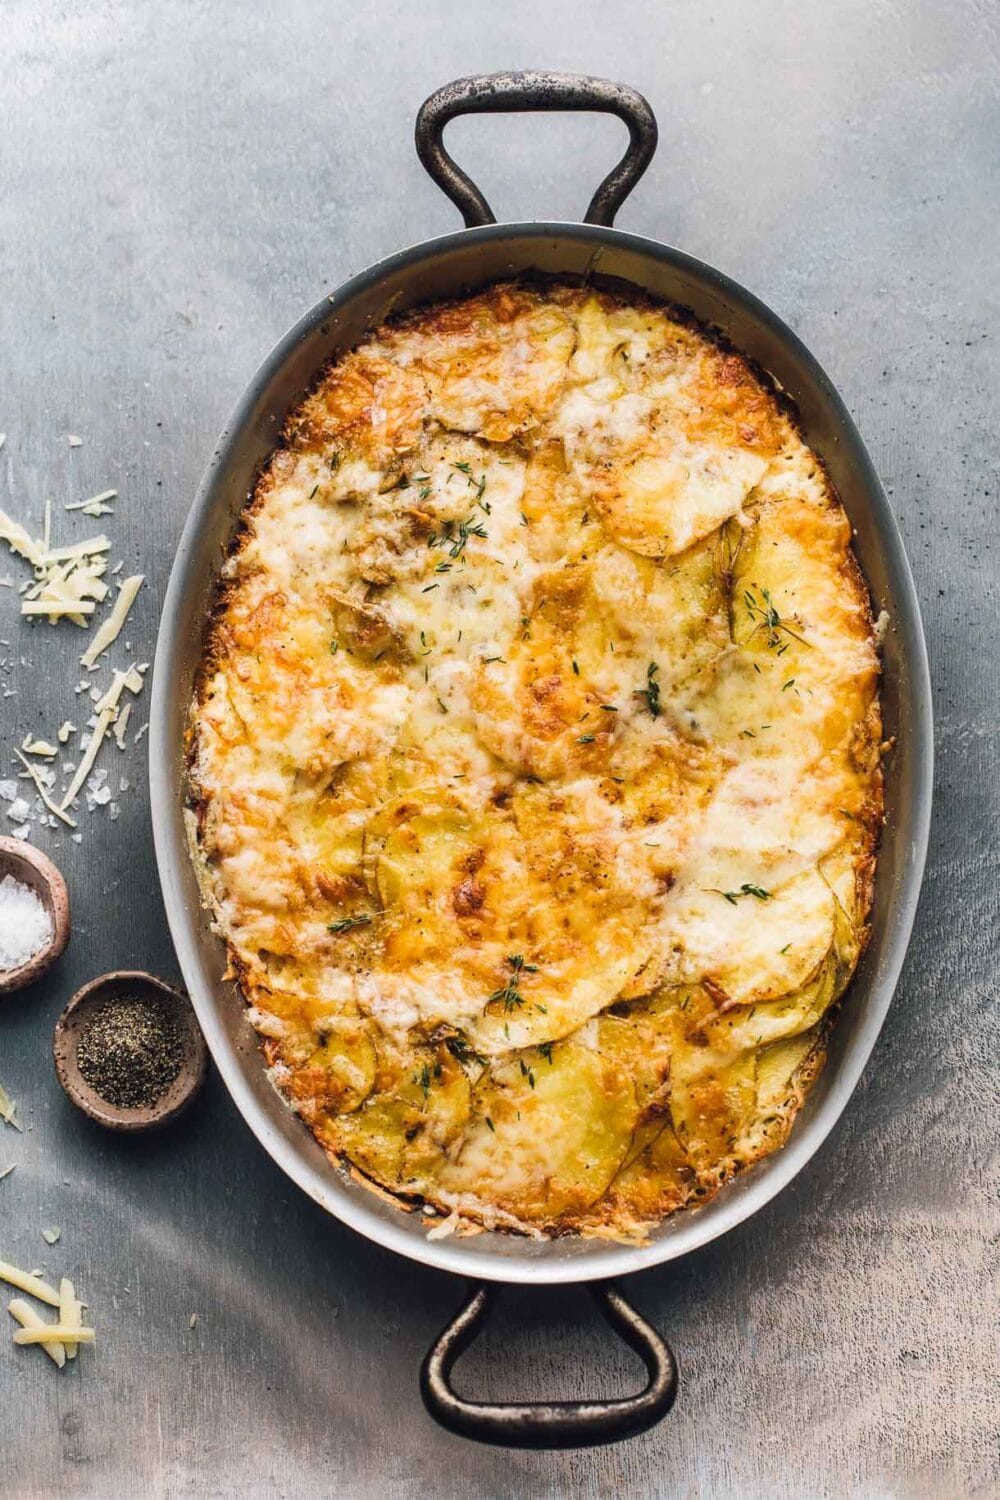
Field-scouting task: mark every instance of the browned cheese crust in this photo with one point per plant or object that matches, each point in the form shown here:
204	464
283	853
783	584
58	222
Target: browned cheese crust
536	761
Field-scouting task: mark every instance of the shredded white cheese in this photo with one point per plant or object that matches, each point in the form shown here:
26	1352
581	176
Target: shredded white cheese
89	548
8	1112
94	500
14	534
55	608
69	1313
25	1281
121	725
109	630
107	709
43	1333
30	1321
54	808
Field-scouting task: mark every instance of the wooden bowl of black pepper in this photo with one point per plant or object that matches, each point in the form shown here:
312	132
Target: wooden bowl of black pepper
129	1052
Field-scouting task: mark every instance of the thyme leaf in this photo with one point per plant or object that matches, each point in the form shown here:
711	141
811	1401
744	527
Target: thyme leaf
362	919
746	889
768	619
509	995
651	692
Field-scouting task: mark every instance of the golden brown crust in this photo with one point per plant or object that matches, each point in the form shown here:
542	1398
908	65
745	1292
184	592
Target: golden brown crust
536	760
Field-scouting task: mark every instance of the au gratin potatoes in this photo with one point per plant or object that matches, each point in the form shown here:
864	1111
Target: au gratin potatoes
535	761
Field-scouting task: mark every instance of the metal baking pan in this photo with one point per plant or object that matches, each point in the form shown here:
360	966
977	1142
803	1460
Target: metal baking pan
446	267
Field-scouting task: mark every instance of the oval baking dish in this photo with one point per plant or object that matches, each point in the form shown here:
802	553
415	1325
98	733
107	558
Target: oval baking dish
447	267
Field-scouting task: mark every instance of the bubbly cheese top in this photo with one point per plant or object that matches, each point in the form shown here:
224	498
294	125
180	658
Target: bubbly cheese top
535	760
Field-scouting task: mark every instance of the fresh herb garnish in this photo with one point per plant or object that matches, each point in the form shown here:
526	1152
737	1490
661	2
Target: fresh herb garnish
545	1048
509	996
746	889
334	647
455	541
479	485
490	1125
361	920
768	619
469	527
462	1051
651	692
585	739
526	1072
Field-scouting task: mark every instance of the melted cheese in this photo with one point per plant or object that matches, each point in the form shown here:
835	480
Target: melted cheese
535	760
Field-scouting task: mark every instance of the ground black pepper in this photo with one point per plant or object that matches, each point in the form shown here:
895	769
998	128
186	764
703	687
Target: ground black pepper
130	1051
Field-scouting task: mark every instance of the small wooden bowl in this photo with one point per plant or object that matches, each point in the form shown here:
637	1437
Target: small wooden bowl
36	870
129	984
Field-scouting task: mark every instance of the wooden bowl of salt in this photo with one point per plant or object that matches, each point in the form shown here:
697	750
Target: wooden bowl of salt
34	914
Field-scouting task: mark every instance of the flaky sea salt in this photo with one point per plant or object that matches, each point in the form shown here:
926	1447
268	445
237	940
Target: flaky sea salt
25	925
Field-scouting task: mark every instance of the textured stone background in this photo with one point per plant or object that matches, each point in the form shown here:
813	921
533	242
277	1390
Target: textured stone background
180	181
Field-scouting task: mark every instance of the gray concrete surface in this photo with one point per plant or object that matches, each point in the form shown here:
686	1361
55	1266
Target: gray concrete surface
180	181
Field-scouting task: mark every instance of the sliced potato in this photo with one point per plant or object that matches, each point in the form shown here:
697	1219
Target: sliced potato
340	1073
401	1134
657	1178
547	1136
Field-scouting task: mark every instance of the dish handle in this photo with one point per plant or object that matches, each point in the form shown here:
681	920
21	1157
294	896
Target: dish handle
550	1424
502	93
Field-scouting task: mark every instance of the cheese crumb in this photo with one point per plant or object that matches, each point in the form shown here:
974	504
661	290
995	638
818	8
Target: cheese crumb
8	1113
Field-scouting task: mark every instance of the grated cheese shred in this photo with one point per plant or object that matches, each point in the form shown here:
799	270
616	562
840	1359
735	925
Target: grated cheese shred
26	1282
109	631
31	1323
61	1338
